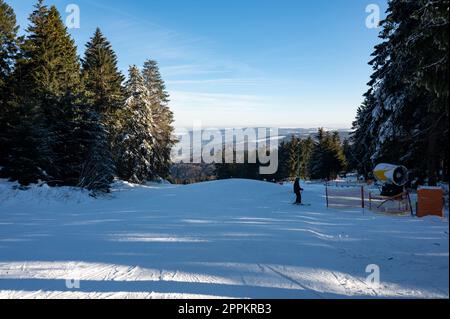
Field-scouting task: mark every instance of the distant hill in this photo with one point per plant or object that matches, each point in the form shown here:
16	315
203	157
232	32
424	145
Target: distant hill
191	173
283	134
306	132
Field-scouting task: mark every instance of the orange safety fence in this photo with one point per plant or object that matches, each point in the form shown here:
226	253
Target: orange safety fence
430	201
345	196
400	204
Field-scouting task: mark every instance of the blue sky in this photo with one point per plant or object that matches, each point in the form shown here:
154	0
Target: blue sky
285	63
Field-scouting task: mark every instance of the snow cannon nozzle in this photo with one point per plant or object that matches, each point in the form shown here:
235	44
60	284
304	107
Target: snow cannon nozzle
391	174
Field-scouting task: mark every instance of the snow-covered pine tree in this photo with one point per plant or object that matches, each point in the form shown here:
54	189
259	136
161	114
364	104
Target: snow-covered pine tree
80	149
362	139
133	148
408	113
162	129
431	75
97	168
105	97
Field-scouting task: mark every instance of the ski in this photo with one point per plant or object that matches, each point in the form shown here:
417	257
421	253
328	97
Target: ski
301	204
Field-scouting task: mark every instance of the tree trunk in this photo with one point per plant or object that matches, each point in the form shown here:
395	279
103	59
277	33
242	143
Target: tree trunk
432	160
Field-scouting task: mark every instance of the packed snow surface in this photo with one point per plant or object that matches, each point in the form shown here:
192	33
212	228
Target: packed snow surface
231	239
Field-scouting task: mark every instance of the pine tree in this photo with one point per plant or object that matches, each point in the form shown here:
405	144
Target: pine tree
48	63
53	62
336	156
102	79
8	42
97	168
105	97
327	158
284	152
294	156
284	160
134	144
162	130
316	163
8	51
29	157
362	137
58	137
347	150
407	105
307	147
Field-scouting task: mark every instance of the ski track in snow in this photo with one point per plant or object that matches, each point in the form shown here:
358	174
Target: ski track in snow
226	239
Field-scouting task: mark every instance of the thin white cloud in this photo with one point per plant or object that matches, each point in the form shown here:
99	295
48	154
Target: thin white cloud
223	81
214	102
155	40
191	69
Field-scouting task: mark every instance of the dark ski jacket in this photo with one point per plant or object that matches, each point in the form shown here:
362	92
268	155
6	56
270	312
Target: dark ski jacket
297	188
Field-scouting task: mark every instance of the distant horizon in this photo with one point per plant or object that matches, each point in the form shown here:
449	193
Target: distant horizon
266	126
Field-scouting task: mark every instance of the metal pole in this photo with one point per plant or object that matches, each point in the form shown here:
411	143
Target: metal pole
299	158
410	204
362	197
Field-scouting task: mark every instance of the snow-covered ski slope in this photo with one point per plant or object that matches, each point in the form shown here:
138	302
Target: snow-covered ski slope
232	239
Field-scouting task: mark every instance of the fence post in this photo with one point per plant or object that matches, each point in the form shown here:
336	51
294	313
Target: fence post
410	204
362	197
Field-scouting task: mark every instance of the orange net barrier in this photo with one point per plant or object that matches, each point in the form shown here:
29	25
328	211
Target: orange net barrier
430	201
345	196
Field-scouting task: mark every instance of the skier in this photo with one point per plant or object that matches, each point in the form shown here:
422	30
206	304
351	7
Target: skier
298	192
